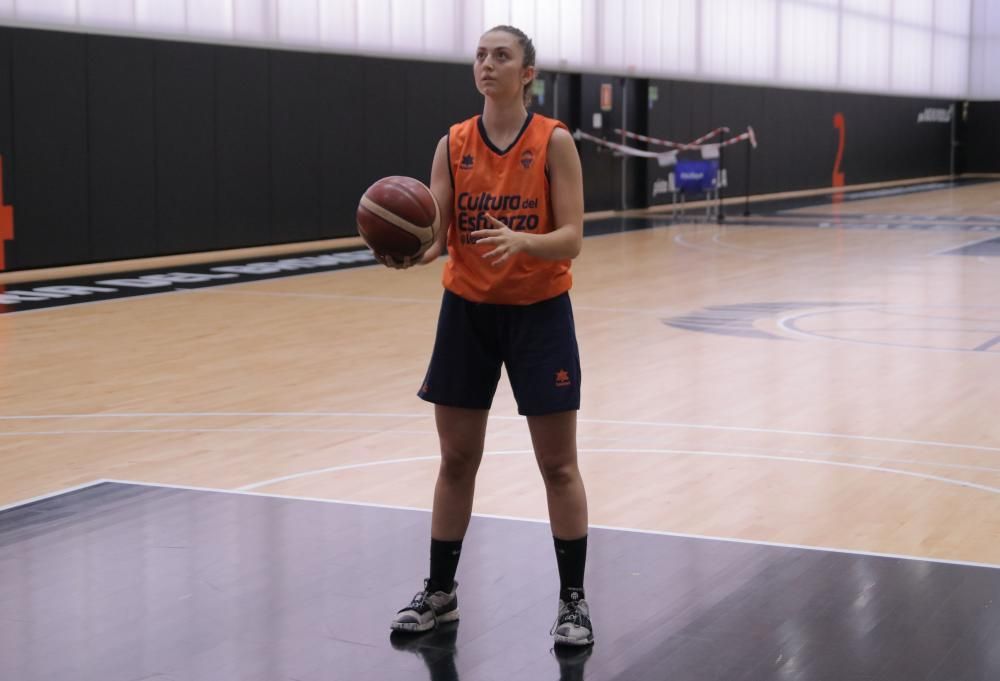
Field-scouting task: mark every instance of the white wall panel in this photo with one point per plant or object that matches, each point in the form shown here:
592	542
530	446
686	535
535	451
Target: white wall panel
864	53
441	28
338	23
407	25
495	13
738	39
7	8
374	25
60	11
611	35
680	36
107	13
522	15
916	12
874	8
986	17
473	25
210	17
572	29
953	16
911	59
298	22
547	35
633	36
263	19
950	76
653	37
168	16
809	48
984	82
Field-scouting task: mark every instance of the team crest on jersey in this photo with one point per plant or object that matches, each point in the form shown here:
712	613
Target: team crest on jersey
466	162
527	158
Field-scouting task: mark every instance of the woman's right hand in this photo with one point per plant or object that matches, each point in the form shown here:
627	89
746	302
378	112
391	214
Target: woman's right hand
429	256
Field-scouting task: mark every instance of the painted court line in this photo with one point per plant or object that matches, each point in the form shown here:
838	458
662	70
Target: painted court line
632	450
732	540
342	414
613	528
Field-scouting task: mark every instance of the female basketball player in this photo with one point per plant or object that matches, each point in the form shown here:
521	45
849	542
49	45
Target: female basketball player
510	188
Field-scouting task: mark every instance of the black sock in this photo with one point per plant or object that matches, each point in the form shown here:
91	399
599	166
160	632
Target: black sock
444	564
571	557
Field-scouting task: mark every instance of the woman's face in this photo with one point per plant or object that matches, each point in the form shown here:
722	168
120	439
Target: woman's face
498	66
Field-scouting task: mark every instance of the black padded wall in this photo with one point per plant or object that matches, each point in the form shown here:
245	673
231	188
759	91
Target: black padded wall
50	160
884	138
121	147
243	146
186	149
981	137
6	134
295	152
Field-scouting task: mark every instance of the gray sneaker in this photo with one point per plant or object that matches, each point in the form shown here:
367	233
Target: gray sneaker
427	610
572	626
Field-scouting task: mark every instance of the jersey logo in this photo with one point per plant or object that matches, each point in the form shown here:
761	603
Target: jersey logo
467	161
527	158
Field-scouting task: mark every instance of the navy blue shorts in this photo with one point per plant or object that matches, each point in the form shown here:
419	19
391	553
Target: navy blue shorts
537	344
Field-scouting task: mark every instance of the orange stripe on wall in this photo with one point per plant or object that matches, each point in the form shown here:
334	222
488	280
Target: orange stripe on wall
6	220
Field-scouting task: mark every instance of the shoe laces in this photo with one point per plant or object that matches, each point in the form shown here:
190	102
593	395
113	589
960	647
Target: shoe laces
419	602
568	614
571	613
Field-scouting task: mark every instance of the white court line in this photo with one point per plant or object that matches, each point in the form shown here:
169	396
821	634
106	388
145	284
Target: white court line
125	431
632	450
656	424
742	249
731	540
785	322
585	438
613	528
332	296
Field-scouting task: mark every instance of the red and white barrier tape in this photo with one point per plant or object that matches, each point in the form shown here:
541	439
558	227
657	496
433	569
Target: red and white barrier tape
628	151
696	144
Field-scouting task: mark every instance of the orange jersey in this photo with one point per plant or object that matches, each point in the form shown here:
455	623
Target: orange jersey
513	186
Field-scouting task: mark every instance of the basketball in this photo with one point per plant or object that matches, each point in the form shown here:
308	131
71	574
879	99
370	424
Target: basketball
398	217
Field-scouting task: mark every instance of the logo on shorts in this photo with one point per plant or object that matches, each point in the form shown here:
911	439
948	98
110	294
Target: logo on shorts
467	161
562	379
526	159
424	389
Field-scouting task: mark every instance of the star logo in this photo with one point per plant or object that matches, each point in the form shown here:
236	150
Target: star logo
467	161
562	379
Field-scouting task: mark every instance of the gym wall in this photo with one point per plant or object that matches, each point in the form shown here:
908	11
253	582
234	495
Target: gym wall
980	147
120	147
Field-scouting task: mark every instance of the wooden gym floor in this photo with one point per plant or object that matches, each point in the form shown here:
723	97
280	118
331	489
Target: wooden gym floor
818	384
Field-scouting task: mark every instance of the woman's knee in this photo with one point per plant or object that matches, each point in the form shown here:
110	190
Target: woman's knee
459	465
559	473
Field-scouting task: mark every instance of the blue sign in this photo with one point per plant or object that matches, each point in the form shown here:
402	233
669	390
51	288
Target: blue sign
696	176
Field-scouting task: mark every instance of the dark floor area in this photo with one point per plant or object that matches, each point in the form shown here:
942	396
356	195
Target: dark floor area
122	582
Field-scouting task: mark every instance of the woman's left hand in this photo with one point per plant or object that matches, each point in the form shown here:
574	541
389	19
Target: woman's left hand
506	242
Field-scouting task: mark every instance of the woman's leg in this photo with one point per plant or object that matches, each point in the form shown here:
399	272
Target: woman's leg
462	433
554	440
